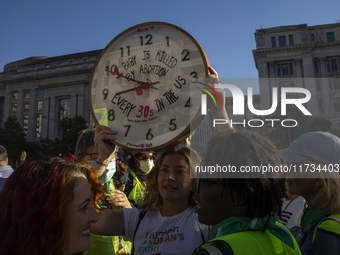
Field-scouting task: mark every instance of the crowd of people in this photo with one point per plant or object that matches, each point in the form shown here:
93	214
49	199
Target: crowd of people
105	202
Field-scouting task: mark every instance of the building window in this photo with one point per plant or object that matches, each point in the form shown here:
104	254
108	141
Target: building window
39	105
15	95
291	41
38	126
284	69
25	126
282	41
85	61
312	37
59	65
333	65
47	66
64	108
40	93
72	63
35	68
14	108
273	42
28	94
316	67
27	106
330	37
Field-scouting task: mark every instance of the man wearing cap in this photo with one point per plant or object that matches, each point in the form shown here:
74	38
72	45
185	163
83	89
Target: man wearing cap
5	169
315	161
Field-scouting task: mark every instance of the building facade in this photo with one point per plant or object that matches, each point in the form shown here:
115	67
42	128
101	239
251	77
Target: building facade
40	91
301	56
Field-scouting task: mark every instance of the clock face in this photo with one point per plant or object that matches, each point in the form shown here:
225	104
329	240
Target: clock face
144	86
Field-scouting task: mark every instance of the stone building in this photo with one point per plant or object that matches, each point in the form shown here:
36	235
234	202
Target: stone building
39	91
301	56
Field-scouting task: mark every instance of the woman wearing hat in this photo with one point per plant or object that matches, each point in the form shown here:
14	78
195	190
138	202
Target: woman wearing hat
315	160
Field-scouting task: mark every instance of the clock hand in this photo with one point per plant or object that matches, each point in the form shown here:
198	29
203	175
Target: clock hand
138	87
119	75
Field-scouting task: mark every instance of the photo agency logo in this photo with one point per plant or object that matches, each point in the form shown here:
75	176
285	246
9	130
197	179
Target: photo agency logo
239	105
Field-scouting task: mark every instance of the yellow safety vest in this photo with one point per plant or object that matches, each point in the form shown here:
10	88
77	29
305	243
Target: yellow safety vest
331	224
109	245
255	243
138	189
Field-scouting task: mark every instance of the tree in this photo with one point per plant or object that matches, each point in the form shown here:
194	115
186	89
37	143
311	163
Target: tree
12	137
71	128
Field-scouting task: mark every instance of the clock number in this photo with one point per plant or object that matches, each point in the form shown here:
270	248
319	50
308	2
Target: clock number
147	112
105	93
111	116
173	124
186	52
148	37
122	51
194	75
167	41
149	136
188	104
127	131
141	111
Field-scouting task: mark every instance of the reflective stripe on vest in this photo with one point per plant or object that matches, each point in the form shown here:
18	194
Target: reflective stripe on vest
255	243
138	189
331	224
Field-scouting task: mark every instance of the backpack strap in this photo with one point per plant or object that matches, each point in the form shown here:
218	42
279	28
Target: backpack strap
140	218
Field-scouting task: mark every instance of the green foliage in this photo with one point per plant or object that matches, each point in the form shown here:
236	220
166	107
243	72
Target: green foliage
71	128
12	137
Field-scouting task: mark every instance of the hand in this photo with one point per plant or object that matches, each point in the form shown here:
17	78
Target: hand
212	77
118	199
103	137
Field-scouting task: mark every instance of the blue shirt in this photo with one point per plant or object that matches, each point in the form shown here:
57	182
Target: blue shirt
5	172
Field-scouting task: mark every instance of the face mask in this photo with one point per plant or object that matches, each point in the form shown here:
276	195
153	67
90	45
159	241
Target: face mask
146	165
109	172
112	167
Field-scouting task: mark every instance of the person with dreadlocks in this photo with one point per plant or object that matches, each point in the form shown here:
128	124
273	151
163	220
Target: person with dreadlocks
243	211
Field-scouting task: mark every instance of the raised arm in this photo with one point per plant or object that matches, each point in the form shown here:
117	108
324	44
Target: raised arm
216	111
106	149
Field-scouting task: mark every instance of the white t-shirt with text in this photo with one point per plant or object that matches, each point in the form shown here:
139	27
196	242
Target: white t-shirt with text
158	235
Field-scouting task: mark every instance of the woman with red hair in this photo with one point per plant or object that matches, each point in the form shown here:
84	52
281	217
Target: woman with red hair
47	207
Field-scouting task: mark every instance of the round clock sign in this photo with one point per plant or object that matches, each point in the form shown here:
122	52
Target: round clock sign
143	86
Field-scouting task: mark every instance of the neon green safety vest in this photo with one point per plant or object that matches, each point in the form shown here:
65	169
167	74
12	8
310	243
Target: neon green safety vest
253	242
138	189
331	224
108	245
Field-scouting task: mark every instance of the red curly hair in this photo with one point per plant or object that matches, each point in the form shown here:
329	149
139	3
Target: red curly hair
34	205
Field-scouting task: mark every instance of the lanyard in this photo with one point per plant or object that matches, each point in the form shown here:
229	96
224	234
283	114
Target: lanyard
290	202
